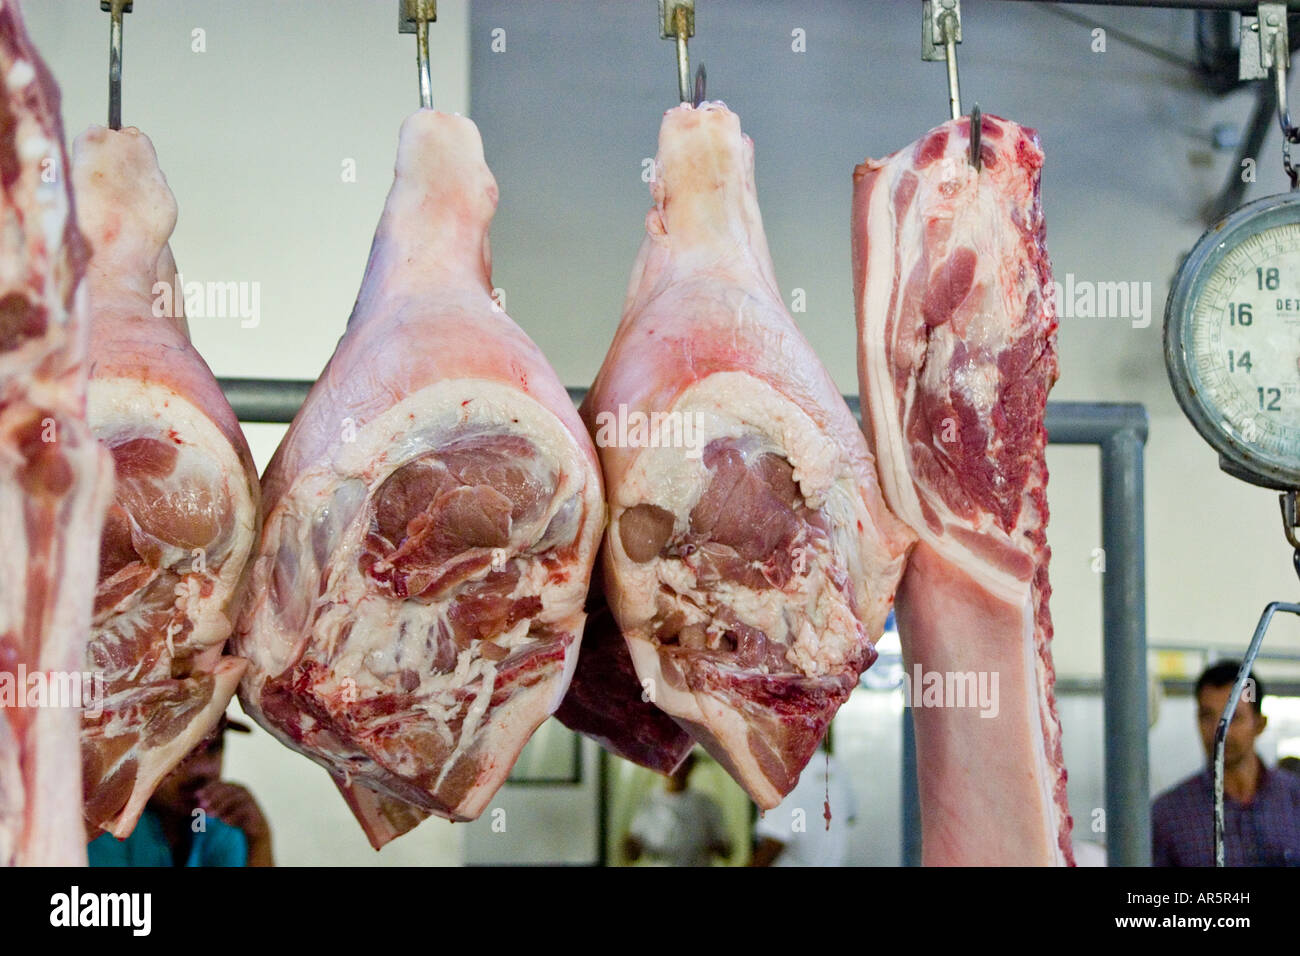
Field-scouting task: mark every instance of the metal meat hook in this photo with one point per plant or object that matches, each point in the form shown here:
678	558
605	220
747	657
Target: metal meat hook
940	34
677	23
116	9
414	16
1265	45
1290	134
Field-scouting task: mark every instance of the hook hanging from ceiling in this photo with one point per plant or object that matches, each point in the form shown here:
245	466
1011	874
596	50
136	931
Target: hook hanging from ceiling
414	16
677	23
116	9
940	34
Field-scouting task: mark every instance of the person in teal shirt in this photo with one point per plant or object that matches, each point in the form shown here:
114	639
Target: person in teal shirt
194	818
218	844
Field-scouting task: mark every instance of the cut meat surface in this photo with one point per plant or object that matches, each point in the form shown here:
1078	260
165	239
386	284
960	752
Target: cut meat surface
415	608
750	561
55	480
957	352
184	515
607	702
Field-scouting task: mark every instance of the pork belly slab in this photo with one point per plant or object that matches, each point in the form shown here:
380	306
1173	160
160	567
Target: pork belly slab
957	333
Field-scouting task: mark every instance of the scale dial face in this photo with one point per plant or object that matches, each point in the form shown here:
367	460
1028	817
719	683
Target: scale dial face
1232	340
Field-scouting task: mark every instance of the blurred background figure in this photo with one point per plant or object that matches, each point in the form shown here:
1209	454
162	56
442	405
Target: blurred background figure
194	818
1261	807
677	826
797	832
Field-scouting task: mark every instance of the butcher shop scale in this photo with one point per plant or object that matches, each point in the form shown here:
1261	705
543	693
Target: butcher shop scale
1231	345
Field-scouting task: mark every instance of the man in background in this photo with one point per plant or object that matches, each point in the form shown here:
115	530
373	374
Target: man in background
194	818
1261	807
677	826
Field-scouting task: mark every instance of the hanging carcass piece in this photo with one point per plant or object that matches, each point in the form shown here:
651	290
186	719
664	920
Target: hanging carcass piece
608	703
957	328
750	559
184	514
431	520
55	480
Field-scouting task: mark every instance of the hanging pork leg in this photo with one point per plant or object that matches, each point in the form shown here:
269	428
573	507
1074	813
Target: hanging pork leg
431	520
183	519
750	560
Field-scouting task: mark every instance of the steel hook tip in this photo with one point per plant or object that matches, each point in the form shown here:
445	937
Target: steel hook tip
701	78
976	132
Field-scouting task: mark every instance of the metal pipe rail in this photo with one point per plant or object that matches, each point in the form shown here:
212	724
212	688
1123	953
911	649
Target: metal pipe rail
1120	431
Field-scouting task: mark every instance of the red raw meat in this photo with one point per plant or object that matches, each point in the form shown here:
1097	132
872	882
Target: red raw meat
750	559
55	480
184	516
609	704
416	604
957	333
